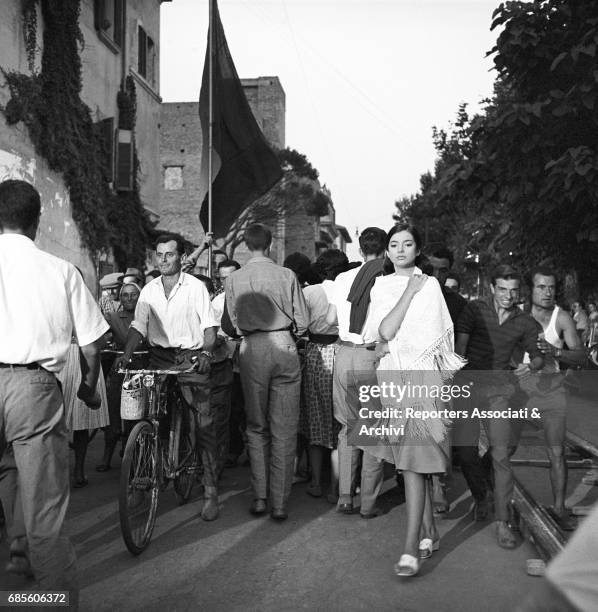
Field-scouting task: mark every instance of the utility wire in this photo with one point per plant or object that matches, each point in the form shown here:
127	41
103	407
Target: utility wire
314	108
381	117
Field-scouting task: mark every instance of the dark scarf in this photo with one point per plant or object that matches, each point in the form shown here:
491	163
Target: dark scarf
359	294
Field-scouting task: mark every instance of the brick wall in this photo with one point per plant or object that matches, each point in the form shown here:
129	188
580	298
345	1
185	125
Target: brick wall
180	147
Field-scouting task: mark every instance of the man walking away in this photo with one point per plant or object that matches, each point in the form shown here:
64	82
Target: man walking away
355	364
266	306
43	303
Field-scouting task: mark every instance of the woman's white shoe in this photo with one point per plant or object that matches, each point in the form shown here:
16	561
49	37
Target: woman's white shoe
407	565
427	546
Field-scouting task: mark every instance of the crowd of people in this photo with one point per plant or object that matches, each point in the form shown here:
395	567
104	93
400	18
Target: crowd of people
281	356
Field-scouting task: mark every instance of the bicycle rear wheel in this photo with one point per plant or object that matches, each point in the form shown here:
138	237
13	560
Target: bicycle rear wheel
138	495
184	430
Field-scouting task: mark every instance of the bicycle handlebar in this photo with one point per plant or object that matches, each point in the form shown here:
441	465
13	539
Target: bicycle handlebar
158	372
118	352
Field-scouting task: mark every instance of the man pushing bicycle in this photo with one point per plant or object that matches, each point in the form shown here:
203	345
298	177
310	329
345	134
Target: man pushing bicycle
175	316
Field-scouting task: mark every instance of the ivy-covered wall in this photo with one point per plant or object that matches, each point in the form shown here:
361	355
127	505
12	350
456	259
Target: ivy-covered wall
47	132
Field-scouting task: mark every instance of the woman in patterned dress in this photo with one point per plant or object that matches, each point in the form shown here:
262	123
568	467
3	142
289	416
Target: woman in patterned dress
317	422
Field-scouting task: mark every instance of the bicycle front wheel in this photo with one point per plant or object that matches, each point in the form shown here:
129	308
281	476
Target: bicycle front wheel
138	495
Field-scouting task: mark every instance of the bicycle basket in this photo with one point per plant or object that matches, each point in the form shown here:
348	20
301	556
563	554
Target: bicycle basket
132	398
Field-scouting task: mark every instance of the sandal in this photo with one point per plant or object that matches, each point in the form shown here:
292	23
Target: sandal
407	566
427	546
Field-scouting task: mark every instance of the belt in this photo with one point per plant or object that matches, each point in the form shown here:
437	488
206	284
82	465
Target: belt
265	331
172	350
368	346
323	338
21	366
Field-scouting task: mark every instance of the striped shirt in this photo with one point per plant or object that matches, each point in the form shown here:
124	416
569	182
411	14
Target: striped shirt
491	345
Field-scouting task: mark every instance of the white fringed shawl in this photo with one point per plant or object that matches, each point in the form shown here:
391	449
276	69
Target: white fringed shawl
421	353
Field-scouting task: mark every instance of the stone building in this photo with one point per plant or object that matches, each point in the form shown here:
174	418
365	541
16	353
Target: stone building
180	152
121	38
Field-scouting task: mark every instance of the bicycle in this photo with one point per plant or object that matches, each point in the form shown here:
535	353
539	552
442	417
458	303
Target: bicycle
149	463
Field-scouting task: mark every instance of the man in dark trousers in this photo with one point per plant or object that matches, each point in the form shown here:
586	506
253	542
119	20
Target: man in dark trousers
488	332
265	305
441	261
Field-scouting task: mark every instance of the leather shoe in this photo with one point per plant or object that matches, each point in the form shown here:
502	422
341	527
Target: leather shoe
279	514
19	565
258	507
373	513
481	509
19	558
210	509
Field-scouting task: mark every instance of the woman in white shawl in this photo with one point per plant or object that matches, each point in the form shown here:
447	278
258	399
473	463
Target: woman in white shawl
417	348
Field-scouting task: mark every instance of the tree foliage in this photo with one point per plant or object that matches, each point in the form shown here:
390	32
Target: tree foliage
298	191
522	176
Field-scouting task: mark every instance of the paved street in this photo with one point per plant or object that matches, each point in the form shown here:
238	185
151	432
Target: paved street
316	560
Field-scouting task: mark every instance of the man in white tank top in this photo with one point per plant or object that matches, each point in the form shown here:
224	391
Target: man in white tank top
549	395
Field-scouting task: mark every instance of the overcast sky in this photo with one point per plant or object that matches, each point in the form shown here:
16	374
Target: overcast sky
365	81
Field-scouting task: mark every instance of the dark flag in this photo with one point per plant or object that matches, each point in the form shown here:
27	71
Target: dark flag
244	166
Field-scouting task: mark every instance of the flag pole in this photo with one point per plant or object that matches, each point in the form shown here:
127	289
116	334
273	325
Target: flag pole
210	131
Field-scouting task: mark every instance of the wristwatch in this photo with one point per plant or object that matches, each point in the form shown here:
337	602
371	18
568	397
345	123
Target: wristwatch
207	354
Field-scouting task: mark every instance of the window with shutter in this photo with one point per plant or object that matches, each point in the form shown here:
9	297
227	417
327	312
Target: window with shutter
151	59
142	52
125	161
108	18
118	21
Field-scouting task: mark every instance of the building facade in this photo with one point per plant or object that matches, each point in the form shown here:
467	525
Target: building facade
181	189
121	39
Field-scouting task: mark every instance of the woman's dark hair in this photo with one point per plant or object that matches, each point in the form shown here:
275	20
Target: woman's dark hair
417	238
314	275
331	263
299	264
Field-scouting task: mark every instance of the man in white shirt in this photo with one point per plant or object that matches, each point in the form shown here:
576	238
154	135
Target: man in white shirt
174	314
355	356
43	303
